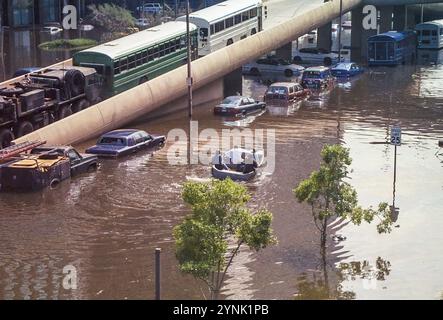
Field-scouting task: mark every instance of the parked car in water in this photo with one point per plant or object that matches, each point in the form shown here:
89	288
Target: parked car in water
238	105
142	23
52	30
317	78
273	65
346	70
80	163
284	92
23	71
151	8
315	55
123	142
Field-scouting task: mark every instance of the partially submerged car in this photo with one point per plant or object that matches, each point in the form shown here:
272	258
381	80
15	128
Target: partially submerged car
80	163
315	55
285	91
346	70
317	78
123	142
273	65
238	105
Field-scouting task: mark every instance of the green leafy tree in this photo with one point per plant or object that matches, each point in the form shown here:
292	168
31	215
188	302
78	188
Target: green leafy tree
111	17
329	195
220	223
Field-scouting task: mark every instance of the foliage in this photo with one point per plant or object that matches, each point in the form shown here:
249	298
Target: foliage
111	17
330	196
208	239
68	44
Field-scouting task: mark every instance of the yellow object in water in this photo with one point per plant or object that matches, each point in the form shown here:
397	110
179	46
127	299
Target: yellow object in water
35	162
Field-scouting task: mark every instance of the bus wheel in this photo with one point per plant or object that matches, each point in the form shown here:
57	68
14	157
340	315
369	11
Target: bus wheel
6	137
65	112
80	105
253	31
230	41
143	80
24	128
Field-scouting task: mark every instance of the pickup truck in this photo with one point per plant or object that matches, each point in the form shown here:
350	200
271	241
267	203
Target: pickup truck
80	163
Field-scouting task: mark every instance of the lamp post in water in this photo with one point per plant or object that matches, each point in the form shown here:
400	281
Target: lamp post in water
339	31
189	78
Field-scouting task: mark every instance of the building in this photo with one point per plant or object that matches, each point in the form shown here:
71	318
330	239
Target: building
26	13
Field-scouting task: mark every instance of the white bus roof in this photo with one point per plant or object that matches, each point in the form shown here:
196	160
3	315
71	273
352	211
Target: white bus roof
139	40
438	23
222	9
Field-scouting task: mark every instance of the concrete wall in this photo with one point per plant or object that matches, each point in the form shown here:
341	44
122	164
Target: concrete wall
134	103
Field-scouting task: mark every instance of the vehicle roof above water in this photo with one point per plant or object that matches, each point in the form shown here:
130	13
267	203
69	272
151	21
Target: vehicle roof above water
122	133
391	35
317	69
344	65
218	11
434	23
284	84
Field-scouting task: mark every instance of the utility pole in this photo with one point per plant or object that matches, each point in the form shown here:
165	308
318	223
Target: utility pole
339	31
189	78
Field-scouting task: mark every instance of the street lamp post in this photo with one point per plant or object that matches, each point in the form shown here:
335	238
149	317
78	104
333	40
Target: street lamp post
189	78
339	31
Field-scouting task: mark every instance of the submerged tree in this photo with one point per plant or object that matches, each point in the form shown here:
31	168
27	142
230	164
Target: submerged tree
330	196
220	223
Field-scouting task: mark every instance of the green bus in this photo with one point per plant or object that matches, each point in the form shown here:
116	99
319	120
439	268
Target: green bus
129	61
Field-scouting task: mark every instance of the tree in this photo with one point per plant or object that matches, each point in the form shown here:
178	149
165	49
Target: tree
330	196
111	17
220	223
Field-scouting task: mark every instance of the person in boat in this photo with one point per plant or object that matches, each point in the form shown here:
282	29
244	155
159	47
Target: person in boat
248	162
219	161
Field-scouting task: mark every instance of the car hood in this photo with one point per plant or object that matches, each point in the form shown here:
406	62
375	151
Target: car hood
105	149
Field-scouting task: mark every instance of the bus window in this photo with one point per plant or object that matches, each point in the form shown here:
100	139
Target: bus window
238	19
253	12
139	61
116	67
219	26
229	22
145	56
426	33
434	33
123	65
212	29
131	62
151	55
245	16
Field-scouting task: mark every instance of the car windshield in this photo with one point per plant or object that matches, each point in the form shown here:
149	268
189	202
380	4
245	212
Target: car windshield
311	74
277	90
283	62
113	141
231	100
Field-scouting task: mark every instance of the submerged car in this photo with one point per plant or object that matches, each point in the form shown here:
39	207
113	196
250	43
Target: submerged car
315	55
123	142
238	105
80	163
346	70
273	65
285	91
317	78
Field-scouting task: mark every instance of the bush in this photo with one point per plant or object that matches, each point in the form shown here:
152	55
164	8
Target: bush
68	44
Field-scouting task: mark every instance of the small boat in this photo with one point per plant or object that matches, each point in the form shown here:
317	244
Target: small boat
222	173
238	164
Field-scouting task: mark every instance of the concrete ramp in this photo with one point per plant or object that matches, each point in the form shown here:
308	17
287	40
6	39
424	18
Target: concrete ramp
122	109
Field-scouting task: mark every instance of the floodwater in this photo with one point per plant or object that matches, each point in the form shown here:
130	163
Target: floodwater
108	224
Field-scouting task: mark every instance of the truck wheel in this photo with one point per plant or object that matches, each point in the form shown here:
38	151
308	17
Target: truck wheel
80	105
24	128
75	80
64	112
6	137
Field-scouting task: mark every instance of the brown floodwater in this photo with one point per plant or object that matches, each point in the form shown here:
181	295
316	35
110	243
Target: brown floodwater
107	224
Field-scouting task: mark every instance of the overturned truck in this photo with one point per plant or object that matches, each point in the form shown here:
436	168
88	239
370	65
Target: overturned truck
45	97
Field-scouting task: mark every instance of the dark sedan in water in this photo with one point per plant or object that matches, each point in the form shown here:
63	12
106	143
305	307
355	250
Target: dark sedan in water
123	142
238	105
